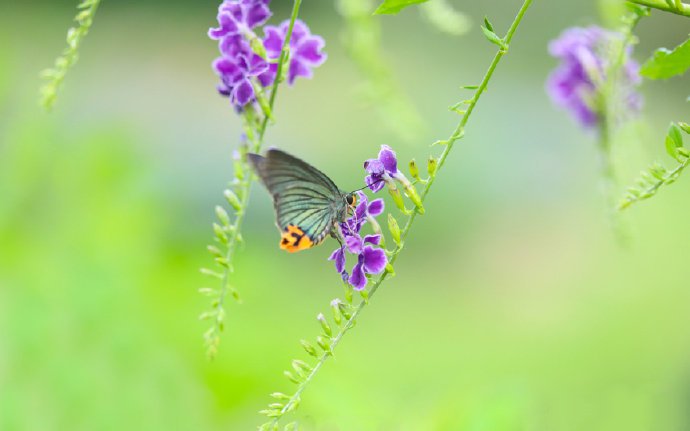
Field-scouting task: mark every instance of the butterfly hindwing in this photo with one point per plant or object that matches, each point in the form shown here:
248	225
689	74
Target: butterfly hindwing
306	201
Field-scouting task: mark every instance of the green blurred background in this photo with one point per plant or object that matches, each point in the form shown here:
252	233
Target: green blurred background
512	309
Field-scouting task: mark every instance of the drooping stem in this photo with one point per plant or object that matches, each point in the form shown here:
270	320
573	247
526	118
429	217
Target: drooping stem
75	35
677	7
455	136
610	97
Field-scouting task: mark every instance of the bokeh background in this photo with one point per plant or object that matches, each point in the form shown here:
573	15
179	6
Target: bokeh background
513	307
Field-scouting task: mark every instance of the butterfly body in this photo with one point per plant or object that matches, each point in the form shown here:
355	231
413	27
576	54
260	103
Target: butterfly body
307	203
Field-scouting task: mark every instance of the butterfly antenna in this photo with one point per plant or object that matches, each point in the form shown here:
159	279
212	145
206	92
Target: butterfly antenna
368	185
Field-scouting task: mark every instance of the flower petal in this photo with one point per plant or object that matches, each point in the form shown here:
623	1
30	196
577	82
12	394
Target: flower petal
273	41
243	93
256	15
374	166
374	259
376	207
257	65
309	51
354	243
299	31
339	257
374	182
373	239
387	157
298	68
358	280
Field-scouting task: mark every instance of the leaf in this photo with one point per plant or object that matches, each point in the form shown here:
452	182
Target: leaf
487	24
664	63
493	38
674	140
391	7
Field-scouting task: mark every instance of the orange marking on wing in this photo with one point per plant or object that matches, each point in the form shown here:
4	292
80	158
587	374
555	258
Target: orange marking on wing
294	239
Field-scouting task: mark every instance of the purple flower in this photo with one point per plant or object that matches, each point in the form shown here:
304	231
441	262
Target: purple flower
239	16
381	169
305	51
235	75
370	258
364	211
576	84
370	261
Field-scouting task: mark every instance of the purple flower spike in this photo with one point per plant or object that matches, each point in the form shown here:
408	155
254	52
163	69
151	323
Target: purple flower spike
576	83
305	51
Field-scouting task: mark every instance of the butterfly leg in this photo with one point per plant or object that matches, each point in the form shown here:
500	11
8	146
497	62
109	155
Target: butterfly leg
335	233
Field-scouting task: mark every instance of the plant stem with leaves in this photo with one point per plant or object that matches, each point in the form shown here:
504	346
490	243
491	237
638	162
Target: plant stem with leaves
228	230
56	75
344	314
674	6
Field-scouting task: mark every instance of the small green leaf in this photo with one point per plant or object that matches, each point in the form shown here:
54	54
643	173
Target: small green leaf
674	140
469	87
391	7
493	38
685	127
665	63
487	24
674	133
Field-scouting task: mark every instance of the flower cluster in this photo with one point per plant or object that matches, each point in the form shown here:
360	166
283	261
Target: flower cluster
384	170
578	82
370	258
248	63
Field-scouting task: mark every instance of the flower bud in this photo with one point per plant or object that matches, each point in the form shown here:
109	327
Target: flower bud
397	198
237	167
337	316
411	193
222	215
290	377
394	228
257	46
323	344
414	170
683	152
232	199
220	233
279	396
432	166
324	324
685	127
301	366
215	251
309	348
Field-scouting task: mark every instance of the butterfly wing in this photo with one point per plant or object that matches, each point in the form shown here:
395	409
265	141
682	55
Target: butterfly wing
306	201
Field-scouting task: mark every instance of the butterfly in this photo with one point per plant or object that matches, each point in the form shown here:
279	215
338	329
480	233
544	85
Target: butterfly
307	203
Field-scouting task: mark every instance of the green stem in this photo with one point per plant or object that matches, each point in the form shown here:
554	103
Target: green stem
243	190
281	61
682	9
456	135
75	35
651	190
610	101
